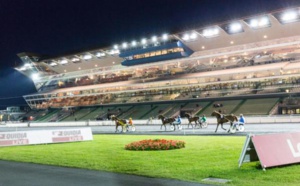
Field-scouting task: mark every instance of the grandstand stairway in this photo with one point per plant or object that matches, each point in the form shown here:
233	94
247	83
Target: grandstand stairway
49	116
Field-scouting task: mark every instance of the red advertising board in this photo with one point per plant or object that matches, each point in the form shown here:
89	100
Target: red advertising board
273	149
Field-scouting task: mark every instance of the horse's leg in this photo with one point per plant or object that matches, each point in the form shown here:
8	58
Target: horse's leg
165	127
217	127
230	127
223	127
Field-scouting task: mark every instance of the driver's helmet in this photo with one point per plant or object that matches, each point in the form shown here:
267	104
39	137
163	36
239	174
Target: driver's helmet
178	116
203	115
241	115
130	118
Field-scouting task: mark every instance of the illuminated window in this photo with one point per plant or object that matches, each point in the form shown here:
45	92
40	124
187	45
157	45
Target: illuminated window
155	53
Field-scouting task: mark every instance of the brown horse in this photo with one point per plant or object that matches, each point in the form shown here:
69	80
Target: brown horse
119	122
192	119
226	118
165	121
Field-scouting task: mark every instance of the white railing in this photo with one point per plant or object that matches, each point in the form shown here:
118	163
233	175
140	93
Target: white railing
211	120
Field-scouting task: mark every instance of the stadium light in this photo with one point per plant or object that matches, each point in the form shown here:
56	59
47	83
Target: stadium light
289	16
258	22
133	43
235	27
75	59
23	68
124	45
35	76
193	35
53	64
210	32
27	65
186	37
100	54
116	47
64	61
190	36
87	56
154	39
165	37
144	41
112	52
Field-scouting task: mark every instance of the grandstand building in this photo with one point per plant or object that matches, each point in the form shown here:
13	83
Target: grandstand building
238	63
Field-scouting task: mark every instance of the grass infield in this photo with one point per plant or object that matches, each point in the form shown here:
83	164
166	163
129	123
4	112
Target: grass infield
203	157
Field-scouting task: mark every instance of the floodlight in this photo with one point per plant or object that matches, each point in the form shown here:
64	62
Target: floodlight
124	45
210	32
186	37
165	37
22	68
258	22
289	16
193	35
64	61
154	39
112	52
100	54
235	27
264	21
144	41
87	56
133	43
53	64
35	76
75	59
116	47
27	65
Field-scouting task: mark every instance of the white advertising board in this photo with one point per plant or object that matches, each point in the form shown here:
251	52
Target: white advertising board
45	136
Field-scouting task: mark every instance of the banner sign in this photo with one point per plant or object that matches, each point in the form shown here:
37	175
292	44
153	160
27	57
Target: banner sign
45	136
272	149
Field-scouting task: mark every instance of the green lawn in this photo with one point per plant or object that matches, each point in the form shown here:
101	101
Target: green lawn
203	156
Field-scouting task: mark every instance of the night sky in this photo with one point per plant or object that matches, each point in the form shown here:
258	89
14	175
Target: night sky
55	27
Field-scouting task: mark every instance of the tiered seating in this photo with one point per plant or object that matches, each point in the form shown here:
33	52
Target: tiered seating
227	107
156	111
78	114
93	114
195	107
49	116
257	106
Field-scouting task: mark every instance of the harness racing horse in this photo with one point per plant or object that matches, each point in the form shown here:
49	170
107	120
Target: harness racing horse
192	119
226	118
119	122
165	121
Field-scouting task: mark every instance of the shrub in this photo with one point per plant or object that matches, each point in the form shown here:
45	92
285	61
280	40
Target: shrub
156	144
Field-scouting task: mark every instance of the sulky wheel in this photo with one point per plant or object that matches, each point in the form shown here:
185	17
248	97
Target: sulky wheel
241	128
172	127
133	128
204	125
124	129
180	127
232	129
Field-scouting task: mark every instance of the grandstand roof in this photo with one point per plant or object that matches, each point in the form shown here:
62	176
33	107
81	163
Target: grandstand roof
205	39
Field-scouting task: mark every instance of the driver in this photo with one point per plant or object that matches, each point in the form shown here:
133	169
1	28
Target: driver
241	120
130	121
203	119
178	120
